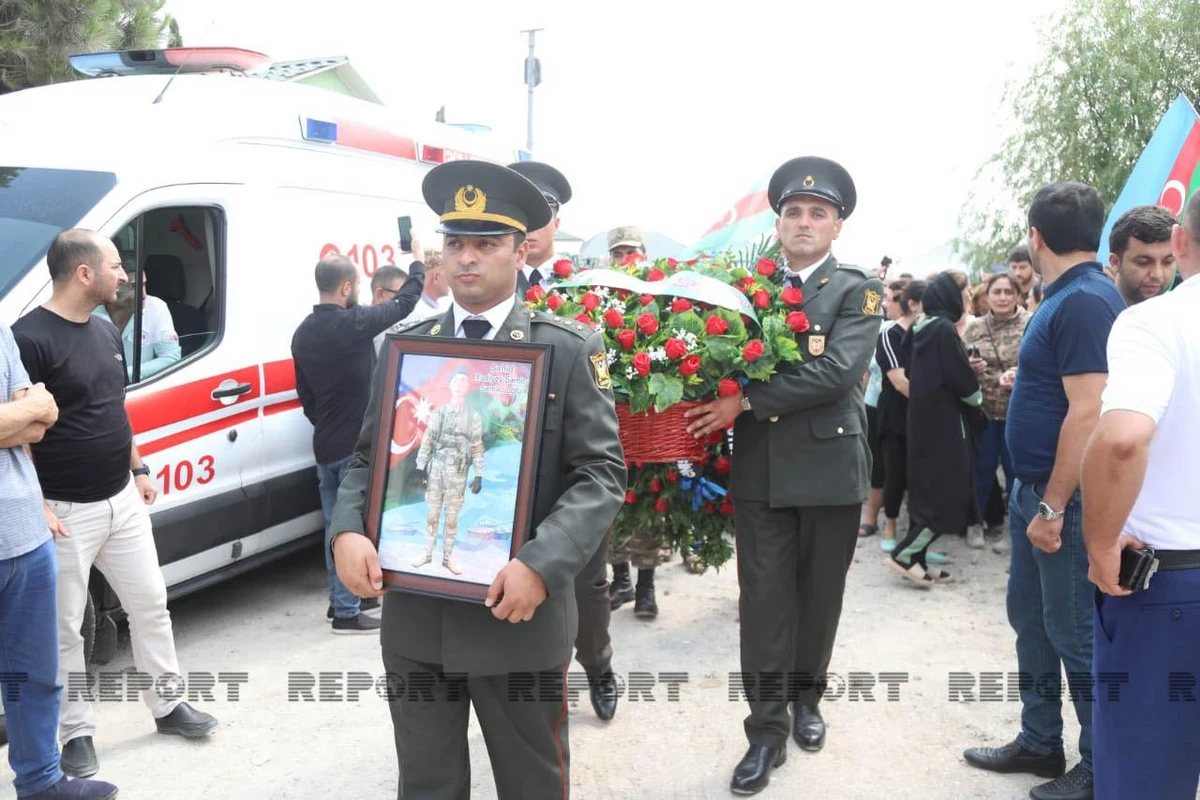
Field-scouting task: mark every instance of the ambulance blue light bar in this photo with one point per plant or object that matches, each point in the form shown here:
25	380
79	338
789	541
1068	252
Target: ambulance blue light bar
317	130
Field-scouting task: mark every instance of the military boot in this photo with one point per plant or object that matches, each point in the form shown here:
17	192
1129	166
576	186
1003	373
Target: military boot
448	551
621	589
430	538
644	606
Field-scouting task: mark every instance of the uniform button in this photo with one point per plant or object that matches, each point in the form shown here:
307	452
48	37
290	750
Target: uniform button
841	430
774	419
816	327
1177	613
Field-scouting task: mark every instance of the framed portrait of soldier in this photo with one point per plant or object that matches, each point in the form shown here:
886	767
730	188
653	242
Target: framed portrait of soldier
451	492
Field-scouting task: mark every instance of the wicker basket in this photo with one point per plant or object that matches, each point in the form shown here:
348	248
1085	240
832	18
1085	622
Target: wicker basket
660	438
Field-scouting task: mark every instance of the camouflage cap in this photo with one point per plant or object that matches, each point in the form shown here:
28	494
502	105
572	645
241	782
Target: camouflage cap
626	236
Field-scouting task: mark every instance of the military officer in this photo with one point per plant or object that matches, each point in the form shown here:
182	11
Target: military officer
507	656
624	242
453	441
593	646
538	269
801	470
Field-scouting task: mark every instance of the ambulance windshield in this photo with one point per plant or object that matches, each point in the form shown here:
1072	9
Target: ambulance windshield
35	204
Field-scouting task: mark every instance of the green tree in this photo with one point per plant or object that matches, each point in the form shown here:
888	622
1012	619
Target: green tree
1110	70
38	36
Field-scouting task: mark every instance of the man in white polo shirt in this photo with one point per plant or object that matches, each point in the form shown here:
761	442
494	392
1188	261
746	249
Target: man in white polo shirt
1139	490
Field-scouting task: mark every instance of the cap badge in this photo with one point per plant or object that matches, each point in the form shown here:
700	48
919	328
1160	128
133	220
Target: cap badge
808	181
470	199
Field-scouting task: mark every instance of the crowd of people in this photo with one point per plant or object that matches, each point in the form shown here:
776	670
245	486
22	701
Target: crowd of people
971	407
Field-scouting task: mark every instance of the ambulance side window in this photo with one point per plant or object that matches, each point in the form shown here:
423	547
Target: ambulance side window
178	254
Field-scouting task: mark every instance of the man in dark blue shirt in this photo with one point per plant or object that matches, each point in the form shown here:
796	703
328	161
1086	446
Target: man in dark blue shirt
1055	404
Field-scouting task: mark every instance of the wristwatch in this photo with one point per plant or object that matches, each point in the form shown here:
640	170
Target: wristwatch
1047	513
142	470
745	403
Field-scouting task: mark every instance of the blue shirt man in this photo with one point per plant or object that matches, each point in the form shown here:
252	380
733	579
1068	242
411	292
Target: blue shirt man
1062	368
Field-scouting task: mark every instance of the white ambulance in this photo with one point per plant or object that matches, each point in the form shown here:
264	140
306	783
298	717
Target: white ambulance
224	190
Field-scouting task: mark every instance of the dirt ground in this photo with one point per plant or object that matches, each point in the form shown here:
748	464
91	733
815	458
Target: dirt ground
272	622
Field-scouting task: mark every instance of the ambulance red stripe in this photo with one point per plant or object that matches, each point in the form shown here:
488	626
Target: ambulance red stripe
183	437
157	409
279	376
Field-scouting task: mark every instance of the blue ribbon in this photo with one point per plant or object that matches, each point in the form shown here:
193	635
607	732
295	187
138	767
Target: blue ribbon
702	489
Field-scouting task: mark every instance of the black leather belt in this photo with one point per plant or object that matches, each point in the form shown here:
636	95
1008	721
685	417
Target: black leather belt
1178	559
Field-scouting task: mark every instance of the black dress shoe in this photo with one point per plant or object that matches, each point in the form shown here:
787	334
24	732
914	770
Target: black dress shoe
370	604
1014	758
187	722
79	758
808	728
753	772
604	695
1077	784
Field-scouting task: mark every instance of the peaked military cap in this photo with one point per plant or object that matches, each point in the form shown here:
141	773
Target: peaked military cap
552	182
478	198
814	176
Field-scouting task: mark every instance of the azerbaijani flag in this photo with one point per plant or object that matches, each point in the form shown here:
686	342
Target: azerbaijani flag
744	222
1166	173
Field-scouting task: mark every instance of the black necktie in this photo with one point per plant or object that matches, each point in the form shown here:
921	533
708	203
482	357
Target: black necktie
476	328
795	281
535	277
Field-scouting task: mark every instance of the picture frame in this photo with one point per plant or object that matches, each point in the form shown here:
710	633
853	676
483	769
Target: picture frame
442	526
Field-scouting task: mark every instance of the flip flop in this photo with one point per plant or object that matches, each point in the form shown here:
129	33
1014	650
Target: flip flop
871	530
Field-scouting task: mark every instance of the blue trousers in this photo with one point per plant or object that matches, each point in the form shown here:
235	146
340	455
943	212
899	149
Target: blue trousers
1050	602
1147	670
991	453
346	605
29	666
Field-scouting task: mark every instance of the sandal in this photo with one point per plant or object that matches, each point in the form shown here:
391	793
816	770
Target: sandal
914	573
887	545
870	530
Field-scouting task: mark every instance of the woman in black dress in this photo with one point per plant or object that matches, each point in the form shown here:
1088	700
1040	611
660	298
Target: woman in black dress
942	389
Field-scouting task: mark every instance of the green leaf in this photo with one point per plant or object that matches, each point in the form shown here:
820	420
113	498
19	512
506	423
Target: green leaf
737	328
639	399
758	370
657	381
787	348
670	394
723	348
689	321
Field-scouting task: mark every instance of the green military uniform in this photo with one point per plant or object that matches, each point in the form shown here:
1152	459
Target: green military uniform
801	470
453	441
593	645
447	656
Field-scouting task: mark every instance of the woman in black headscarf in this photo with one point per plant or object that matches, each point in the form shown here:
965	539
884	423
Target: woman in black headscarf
943	390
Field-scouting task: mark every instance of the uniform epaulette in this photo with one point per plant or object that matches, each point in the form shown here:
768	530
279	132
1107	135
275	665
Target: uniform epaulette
866	273
580	329
413	325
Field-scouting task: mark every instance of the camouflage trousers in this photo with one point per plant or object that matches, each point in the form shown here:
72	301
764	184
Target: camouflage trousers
637	548
445	491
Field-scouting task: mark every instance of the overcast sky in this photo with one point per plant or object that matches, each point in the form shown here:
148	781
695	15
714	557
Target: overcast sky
663	116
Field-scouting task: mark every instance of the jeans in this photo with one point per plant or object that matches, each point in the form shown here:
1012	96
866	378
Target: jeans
1050	606
115	536
346	605
29	659
992	451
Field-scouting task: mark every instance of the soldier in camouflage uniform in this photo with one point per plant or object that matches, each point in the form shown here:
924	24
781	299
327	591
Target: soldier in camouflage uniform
453	440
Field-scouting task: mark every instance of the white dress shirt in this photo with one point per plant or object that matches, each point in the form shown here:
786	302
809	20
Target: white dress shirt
546	270
1154	369
805	273
497	315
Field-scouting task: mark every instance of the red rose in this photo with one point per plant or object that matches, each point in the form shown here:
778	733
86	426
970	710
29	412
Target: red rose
647	299
762	299
679	305
676	349
535	294
630	497
672	476
641	363
723	465
554	302
693	262
626	338
563	268
690	366
753	351
727	508
584	318
672	263
655	274
716	326
709	508
797	321
662	505
647	324
747	282
728	387
655	485
791	296
614	318
632	259
765	266
590	301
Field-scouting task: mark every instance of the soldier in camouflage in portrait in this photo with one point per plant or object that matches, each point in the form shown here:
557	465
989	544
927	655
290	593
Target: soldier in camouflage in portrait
453	440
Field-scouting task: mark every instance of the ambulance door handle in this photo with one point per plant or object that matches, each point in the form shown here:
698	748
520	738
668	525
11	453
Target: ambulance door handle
231	391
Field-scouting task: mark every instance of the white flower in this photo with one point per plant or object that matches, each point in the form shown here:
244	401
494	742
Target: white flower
658	354
630	373
617	304
612	357
600	291
685	469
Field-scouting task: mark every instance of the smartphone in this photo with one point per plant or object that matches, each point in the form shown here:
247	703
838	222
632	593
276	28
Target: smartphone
405	224
1137	567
